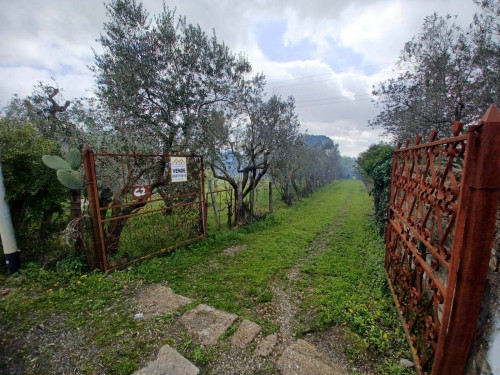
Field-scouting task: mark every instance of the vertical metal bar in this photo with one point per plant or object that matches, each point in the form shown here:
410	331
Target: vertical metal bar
476	222
204	202
229	208
252	200
93	194
124	179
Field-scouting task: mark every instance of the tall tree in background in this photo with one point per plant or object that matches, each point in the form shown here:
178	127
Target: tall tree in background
258	136
486	37
320	162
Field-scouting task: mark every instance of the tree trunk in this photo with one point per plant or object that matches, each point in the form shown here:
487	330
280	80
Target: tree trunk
239	207
112	235
76	215
295	187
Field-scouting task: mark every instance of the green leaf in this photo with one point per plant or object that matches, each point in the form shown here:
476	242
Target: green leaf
71	179
55	162
74	158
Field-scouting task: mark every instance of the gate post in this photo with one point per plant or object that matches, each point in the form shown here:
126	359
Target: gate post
476	220
91	183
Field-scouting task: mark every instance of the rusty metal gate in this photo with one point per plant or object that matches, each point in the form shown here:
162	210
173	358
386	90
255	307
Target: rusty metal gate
143	205
441	222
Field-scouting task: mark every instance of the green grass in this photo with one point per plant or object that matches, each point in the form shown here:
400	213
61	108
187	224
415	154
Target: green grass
350	289
347	279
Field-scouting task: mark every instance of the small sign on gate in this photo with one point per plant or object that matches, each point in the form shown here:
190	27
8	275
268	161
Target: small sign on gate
178	166
141	192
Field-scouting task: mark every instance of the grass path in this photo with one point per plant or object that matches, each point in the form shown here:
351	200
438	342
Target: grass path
305	270
272	246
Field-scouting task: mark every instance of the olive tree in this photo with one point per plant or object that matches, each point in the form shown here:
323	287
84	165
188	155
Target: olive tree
164	84
162	77
256	136
448	74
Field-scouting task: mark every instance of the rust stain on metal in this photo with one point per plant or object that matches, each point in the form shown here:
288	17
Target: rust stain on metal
441	220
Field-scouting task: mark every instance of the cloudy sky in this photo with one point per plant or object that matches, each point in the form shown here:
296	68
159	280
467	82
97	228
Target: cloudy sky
326	53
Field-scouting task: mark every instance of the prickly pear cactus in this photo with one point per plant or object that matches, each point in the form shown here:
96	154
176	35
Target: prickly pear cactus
74	158
67	170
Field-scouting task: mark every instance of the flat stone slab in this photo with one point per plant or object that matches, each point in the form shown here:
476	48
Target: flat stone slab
157	299
302	358
266	346
247	331
207	324
169	362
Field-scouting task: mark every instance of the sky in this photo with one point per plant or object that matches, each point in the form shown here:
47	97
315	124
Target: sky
328	54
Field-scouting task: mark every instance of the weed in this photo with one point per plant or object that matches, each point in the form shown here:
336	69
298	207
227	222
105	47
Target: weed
230	331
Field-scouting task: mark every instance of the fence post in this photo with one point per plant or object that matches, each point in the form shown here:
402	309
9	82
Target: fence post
229	210
475	226
214	204
239	204
270	197
252	199
288	192
93	195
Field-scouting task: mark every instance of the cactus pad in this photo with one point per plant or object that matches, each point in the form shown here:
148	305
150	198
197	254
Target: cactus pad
71	179
55	162
74	158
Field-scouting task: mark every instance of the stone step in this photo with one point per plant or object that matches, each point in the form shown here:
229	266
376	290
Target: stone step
206	324
302	358
158	299
169	362
246	333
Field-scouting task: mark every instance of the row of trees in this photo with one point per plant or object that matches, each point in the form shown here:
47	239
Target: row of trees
448	73
162	86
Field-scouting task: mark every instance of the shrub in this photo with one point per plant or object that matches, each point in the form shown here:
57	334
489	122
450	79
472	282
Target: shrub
375	166
35	197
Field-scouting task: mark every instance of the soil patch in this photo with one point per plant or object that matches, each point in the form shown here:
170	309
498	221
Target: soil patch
233	250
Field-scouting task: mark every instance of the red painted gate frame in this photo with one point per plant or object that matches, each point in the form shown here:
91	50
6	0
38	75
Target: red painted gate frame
93	196
440	317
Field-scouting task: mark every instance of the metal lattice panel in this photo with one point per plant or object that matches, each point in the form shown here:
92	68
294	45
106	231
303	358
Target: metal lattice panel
424	206
441	220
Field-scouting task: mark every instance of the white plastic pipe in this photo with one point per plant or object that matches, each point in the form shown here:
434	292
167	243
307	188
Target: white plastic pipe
7	230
